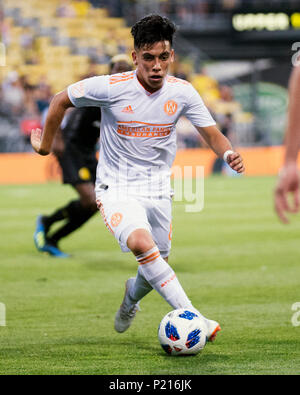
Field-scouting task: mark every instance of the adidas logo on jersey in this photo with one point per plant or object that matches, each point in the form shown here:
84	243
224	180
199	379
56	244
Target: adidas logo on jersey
128	109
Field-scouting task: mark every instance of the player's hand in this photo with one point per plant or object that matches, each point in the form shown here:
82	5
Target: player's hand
36	139
288	184
235	161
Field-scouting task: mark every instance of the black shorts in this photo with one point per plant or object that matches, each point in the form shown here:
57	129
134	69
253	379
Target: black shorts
78	166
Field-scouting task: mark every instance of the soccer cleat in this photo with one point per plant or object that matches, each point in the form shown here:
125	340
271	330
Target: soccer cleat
212	329
43	244
39	236
54	251
127	310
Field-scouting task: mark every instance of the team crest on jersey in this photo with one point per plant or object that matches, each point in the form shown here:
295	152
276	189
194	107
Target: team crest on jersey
116	219
170	107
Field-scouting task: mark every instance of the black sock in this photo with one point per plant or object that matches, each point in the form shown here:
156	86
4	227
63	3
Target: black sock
80	216
67	212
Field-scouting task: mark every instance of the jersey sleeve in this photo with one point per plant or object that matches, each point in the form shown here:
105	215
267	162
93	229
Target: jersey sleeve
91	92
196	111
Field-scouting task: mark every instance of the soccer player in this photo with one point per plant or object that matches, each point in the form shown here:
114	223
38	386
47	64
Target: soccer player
288	180
137	148
75	146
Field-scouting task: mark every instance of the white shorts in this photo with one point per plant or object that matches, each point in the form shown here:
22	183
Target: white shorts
123	215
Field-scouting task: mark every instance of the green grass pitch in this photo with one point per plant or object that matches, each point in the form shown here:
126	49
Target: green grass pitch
237	263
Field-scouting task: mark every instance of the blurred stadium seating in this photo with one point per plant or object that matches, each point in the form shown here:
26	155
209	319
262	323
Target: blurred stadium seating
61	38
49	45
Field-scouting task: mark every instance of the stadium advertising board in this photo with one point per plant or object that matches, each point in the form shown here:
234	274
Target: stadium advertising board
266	25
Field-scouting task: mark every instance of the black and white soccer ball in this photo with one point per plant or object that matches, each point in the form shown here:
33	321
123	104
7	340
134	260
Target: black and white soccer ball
182	332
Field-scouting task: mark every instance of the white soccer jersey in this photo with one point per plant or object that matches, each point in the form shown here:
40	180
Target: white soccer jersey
138	138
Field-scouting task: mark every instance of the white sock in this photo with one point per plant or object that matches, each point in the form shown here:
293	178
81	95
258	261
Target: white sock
162	278
140	288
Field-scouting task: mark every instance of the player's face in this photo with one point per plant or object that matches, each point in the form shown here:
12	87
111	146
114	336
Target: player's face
153	64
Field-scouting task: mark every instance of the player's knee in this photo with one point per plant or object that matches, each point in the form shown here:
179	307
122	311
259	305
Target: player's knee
140	241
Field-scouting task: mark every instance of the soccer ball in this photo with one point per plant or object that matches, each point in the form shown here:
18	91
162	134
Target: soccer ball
182	332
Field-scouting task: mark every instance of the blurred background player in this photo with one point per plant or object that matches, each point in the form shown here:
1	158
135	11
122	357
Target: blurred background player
75	147
288	181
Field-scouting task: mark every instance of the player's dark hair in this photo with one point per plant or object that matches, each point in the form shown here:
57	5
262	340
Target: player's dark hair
151	29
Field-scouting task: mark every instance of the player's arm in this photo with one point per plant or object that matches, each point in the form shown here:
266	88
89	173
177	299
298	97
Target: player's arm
288	180
292	137
221	145
42	141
